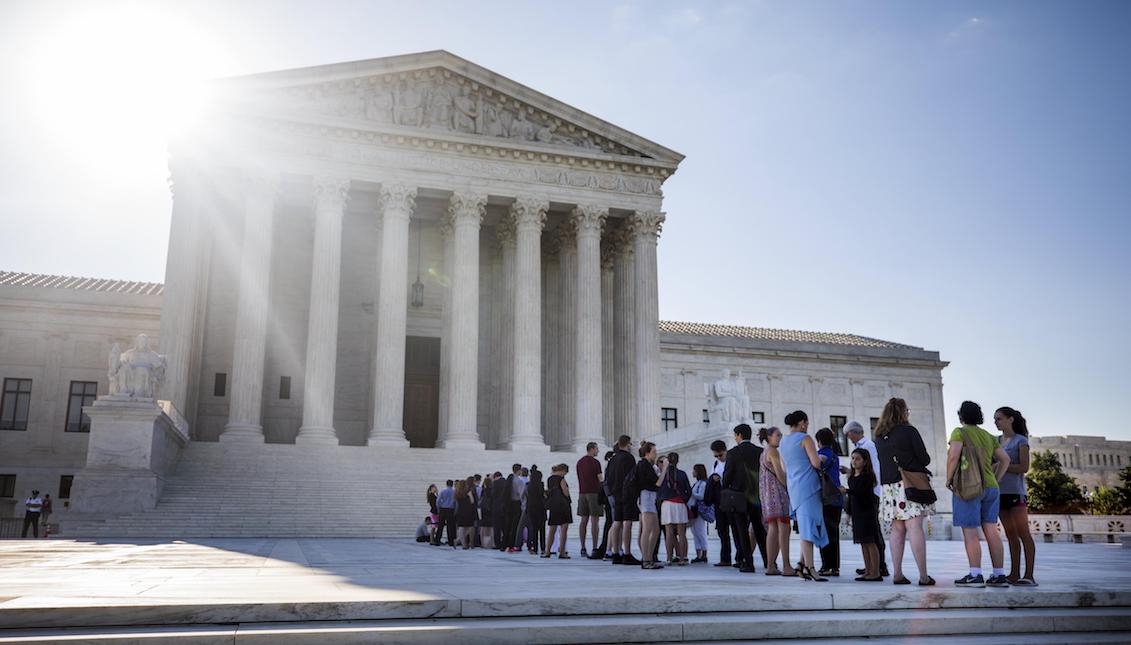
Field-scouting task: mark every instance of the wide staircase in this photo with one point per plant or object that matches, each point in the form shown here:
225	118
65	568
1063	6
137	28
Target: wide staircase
285	490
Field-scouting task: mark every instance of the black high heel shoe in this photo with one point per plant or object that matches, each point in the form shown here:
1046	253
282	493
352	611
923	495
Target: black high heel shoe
807	573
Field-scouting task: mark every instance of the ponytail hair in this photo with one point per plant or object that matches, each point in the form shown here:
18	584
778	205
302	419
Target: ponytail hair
1019	425
795	417
764	434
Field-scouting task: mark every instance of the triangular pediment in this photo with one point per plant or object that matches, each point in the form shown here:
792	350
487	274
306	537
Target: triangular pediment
442	95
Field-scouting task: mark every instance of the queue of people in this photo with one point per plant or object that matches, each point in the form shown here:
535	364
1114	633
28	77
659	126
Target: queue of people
758	495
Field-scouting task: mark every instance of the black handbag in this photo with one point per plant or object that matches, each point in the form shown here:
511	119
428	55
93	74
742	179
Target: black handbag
830	492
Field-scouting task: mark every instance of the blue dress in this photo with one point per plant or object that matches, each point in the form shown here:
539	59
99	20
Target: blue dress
804	490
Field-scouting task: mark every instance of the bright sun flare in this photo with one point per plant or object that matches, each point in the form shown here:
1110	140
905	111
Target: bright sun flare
116	84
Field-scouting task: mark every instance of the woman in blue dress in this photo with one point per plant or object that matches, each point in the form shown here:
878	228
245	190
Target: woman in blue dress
799	455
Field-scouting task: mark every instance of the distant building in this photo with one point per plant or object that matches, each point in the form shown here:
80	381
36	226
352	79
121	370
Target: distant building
1091	461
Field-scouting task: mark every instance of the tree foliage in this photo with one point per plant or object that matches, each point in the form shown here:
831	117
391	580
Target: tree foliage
1050	489
1124	488
1106	501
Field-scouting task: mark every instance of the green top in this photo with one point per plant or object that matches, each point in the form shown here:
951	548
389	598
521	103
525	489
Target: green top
986	444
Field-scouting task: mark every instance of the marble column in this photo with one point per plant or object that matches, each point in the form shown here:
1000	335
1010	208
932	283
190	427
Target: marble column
467	210
646	227
624	336
506	349
608	394
397	203
445	323
249	349
567	337
551	285
529	216
330	195
588	221
183	276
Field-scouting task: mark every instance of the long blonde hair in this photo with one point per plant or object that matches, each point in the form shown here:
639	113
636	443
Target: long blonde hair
894	414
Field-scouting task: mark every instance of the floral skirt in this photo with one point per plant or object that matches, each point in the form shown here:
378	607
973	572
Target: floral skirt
895	506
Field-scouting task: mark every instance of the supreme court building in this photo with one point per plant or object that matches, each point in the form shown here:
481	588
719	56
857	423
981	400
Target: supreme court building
415	252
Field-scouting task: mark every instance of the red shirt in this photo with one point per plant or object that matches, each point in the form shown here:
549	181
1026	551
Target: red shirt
587	470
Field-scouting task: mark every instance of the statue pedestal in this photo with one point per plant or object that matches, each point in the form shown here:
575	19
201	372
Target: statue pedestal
134	444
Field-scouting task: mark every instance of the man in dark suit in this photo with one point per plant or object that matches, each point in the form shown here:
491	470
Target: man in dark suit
513	504
740	473
500	493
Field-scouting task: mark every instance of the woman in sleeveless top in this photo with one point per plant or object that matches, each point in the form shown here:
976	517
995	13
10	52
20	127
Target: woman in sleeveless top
775	503
561	515
799	454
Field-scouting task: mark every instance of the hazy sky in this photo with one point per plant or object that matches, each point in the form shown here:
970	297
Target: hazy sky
951	175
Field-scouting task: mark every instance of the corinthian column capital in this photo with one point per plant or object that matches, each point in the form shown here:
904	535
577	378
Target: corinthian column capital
397	200
589	219
467	207
647	223
529	212
331	192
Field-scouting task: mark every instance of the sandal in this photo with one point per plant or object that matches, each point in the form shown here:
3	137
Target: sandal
901	581
1025	582
929	582
807	574
547	554
773	572
563	556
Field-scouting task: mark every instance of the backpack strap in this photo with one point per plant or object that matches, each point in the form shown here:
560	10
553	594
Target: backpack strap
966	440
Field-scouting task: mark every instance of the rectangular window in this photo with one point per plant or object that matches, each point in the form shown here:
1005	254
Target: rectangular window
220	386
284	387
669	417
758	417
65	482
874	421
706	417
15	403
1090	462
7	485
836	424
82	393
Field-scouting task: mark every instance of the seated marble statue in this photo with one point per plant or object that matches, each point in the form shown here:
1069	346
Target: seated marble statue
136	373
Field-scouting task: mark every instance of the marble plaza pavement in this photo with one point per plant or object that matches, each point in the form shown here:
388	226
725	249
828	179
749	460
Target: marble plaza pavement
390	590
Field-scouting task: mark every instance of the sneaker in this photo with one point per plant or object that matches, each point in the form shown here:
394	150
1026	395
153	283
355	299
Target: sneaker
968	580
630	559
584	553
618	559
596	555
609	556
997	581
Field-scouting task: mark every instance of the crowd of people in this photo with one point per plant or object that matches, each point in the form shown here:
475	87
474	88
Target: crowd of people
758	495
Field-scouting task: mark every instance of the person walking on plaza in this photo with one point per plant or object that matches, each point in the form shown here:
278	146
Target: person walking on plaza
1014	511
855	433
775	503
625	510
700	512
33	506
446	504
674	493
467	511
722	518
588	485
904	458
864	509
647	475
740	475
45	514
975	453
799	455
561	516
830	465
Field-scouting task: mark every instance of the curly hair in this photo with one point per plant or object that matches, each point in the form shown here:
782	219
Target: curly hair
895	414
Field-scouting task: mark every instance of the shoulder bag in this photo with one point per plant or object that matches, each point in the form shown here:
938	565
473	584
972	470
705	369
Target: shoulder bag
967	481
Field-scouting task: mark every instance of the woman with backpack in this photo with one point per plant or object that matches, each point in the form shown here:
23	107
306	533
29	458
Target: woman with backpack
700	512
974	463
675	491
906	496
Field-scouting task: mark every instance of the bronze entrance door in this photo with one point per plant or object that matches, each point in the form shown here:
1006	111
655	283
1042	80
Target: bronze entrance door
422	391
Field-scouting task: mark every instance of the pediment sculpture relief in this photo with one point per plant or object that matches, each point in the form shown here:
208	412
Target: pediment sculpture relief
442	101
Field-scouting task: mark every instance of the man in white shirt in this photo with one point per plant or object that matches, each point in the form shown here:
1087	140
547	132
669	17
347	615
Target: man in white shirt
855	433
32	507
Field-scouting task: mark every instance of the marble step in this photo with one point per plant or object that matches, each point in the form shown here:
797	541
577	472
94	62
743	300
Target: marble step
633	628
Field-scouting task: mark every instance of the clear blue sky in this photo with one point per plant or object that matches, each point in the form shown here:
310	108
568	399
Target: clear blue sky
952	175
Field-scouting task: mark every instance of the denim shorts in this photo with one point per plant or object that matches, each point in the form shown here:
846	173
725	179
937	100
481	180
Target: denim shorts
972	513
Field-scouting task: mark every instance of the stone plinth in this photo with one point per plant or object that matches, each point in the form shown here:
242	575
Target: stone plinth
134	444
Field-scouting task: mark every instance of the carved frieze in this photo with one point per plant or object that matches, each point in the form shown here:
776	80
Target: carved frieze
437	99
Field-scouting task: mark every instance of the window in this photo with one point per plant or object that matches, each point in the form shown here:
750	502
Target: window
669	417
220	387
15	403
1090	463
7	485
836	424
1119	460
82	393
706	417
65	482
284	387
758	417
874	421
